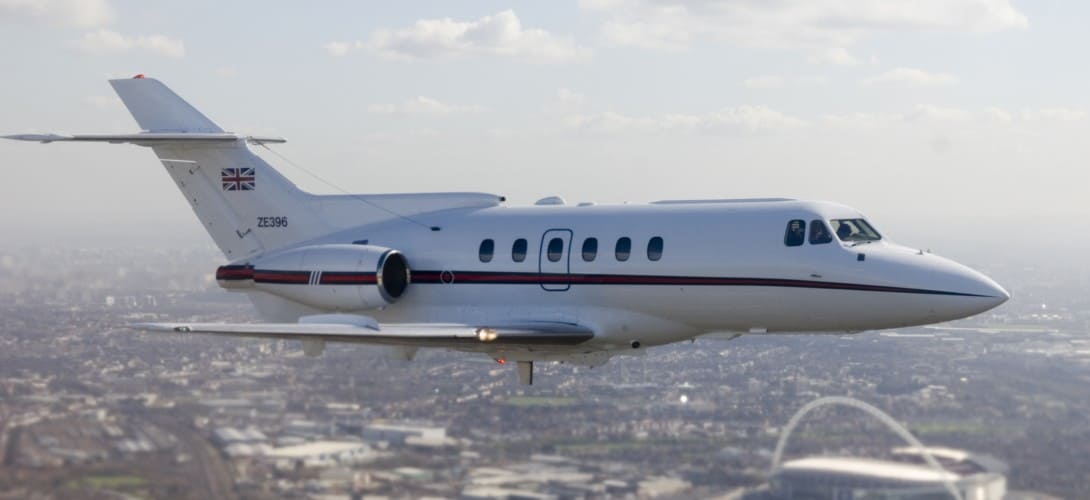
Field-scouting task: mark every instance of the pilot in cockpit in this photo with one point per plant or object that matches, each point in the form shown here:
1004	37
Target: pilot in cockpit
843	232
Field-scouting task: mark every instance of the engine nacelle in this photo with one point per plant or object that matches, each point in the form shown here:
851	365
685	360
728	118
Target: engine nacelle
327	277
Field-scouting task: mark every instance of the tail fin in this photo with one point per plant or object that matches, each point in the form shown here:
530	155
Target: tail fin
156	108
244	204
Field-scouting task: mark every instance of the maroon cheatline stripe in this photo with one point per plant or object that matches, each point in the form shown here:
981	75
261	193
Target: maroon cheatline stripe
233	273
347	278
523	278
282	277
476	277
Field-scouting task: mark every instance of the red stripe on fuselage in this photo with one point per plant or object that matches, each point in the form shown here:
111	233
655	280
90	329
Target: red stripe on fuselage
282	277
232	273
521	278
345	278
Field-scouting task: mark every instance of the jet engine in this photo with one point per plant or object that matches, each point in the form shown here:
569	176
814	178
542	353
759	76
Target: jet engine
327	277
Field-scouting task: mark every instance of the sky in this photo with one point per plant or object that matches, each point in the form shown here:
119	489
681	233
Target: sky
913	111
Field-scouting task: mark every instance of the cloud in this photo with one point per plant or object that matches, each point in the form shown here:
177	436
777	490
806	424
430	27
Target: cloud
827	27
500	34
775	81
726	120
570	97
928	112
814	80
920	114
862	120
998	115
423	106
1054	114
936	115
79	13
763	82
104	41
565	101
342	48
911	76
836	56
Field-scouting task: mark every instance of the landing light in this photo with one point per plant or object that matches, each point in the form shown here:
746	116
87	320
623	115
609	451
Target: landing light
486	334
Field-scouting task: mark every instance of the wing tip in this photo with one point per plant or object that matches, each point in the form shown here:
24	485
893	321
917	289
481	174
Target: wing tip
159	327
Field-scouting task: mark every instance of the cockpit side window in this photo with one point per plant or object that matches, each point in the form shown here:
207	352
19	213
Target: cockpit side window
854	230
819	233
796	233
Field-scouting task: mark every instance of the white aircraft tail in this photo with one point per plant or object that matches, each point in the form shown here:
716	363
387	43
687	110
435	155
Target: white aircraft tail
156	108
243	202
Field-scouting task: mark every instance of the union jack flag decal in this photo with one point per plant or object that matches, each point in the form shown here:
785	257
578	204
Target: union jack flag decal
238	179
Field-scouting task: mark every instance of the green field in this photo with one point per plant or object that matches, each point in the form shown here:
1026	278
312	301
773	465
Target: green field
108	482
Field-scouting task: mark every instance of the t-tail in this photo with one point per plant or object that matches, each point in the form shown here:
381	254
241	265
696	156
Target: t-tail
234	193
243	202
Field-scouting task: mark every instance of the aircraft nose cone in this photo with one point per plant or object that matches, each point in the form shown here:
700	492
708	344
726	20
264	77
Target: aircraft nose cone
980	293
994	291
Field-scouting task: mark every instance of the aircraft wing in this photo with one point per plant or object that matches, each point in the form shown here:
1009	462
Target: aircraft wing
145	138
362	329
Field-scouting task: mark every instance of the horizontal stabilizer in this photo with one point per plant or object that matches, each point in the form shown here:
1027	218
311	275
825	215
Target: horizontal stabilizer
145	138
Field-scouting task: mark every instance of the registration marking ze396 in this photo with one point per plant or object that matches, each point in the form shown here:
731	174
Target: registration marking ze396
272	222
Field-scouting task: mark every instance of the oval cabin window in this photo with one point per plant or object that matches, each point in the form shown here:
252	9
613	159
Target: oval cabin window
485	252
555	250
654	248
590	249
518	250
624	248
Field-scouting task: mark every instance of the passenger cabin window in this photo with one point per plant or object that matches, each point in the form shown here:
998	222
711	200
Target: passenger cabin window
624	248
796	233
518	250
590	249
819	233
654	248
555	250
485	252
854	230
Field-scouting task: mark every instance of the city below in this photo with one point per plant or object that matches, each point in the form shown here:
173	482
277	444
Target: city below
91	409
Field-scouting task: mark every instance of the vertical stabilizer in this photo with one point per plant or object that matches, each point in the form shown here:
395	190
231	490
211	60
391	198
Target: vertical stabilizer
156	108
242	201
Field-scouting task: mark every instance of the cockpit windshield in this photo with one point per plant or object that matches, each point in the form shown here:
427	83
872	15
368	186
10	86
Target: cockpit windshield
854	230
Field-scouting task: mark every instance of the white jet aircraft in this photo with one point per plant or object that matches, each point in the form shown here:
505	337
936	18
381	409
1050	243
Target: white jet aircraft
549	282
